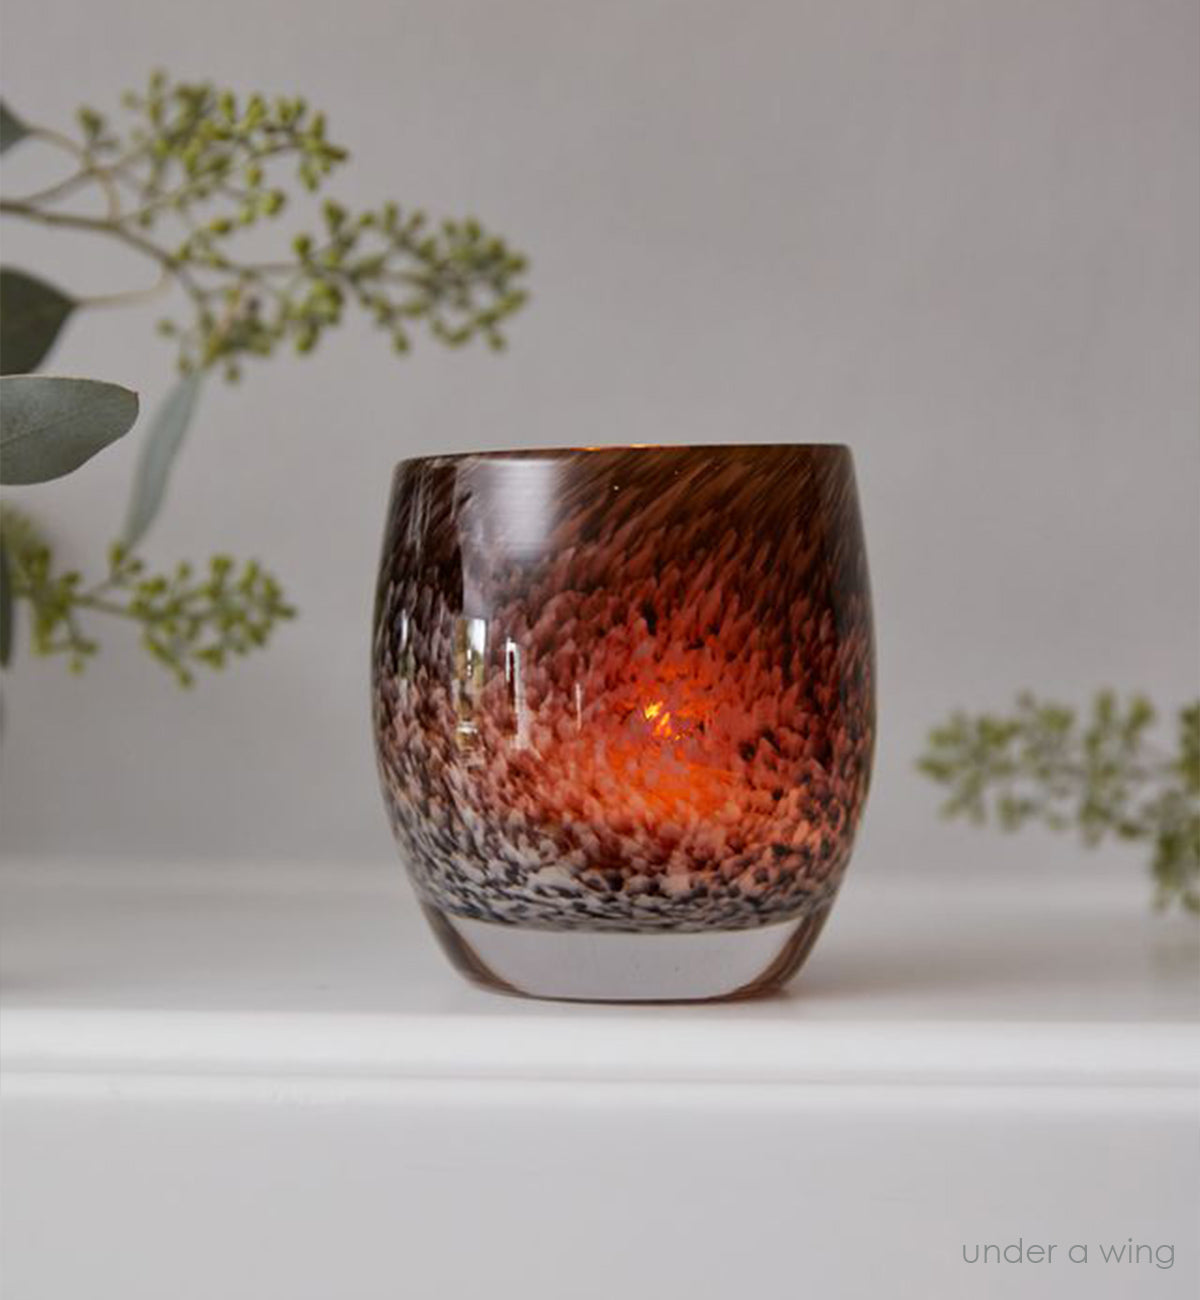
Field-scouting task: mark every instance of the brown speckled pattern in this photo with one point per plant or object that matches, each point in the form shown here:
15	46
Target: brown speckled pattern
625	689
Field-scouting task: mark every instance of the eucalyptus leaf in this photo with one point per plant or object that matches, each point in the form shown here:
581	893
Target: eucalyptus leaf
12	129
8	611
50	426
31	314
159	449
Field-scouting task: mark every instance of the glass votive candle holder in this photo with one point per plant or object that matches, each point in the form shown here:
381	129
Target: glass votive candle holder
623	704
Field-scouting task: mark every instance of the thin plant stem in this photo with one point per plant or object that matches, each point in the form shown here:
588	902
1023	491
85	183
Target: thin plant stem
88	170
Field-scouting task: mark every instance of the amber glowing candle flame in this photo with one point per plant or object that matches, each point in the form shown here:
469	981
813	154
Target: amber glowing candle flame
656	755
662	721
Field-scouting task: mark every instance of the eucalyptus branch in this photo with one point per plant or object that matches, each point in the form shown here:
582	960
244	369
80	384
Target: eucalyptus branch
1099	775
186	620
130	297
93	225
186	169
204	164
88	172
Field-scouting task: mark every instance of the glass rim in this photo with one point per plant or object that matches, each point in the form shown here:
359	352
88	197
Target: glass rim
564	452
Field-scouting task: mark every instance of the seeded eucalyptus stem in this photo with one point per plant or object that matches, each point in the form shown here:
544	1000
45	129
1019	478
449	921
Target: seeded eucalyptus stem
184	174
202	167
1098	774
88	172
113	230
186	620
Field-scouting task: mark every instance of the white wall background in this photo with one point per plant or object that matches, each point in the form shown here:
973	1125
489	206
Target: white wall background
960	235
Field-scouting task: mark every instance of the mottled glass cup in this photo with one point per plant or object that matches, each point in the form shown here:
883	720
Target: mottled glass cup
624	711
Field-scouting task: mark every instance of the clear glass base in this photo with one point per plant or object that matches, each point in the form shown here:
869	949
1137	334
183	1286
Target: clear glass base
607	966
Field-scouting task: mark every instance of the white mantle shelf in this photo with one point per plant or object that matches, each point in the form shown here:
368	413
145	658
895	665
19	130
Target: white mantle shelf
310	972
198	1027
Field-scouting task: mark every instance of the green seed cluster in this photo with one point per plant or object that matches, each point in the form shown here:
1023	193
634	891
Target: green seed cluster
190	620
188	142
458	281
206	166
1099	775
186	620
199	181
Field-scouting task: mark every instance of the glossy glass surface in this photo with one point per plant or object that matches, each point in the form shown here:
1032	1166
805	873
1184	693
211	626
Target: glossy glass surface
626	689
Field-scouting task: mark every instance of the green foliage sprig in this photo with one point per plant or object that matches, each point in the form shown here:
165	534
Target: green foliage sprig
193	167
1098	774
186	621
186	169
